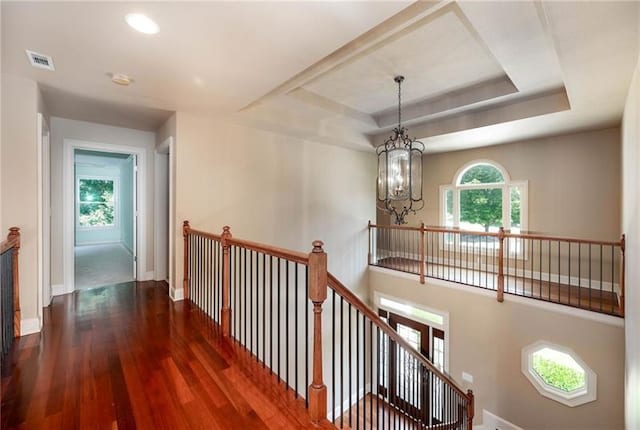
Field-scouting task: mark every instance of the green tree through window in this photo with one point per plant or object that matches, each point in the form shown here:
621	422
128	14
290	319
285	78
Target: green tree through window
96	205
482	206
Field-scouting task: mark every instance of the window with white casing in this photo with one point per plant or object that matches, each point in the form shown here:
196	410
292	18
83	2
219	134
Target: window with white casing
96	198
558	373
482	197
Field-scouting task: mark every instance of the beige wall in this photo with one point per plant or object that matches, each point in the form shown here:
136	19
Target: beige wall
486	339
276	190
631	226
574	181
19	183
62	129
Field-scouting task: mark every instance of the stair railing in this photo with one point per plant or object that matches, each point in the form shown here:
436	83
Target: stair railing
270	301
9	289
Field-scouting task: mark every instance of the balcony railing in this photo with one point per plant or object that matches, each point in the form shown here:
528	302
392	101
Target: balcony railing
586	274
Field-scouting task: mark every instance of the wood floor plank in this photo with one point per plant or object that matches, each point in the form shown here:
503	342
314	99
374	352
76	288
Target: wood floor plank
127	357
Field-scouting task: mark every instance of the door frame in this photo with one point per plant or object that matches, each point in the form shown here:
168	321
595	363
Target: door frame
68	213
167	146
44	215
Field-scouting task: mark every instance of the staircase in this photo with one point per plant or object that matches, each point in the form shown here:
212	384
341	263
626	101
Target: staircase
316	339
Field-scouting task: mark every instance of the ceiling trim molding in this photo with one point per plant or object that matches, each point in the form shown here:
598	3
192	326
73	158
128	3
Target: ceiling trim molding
463	98
512	110
380	33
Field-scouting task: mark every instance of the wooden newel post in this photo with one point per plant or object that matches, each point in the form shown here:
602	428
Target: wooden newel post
470	410
185	277
225	312
318	280
422	256
14	234
501	265
622	245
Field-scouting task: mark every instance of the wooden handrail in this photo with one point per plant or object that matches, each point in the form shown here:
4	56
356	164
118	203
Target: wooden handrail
297	257
359	305
13	242
205	234
532	236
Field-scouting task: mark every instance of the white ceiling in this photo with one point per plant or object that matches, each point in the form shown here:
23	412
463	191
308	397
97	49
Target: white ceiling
208	57
478	73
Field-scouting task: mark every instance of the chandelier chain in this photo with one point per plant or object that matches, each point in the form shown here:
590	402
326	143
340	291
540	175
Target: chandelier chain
399	104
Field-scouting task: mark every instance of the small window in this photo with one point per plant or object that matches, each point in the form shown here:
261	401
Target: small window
559	374
96	202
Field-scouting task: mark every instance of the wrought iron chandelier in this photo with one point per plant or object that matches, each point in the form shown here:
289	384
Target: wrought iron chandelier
400	170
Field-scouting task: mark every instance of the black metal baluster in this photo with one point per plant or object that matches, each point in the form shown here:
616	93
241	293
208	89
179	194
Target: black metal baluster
264	310
590	264
306	338
270	318
601	267
286	317
613	292
278	322
333	355
295	328
350	375
580	275
341	361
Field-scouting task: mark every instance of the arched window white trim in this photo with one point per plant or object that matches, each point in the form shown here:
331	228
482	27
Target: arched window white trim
461	171
576	397
510	191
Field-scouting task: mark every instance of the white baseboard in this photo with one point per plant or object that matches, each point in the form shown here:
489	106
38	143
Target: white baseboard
176	294
60	289
98	242
147	276
30	326
491	421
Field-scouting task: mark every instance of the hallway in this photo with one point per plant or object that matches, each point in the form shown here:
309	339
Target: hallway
99	265
128	357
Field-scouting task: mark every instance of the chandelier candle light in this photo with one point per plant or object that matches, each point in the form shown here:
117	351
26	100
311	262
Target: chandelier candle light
400	170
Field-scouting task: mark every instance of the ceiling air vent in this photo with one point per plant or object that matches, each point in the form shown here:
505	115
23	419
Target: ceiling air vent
40	60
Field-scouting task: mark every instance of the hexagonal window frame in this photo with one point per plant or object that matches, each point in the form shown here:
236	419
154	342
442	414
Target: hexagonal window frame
573	398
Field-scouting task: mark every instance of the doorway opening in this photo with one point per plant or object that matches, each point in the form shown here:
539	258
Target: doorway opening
104	218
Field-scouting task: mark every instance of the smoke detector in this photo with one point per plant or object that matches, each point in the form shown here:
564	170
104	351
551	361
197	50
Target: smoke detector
40	60
121	79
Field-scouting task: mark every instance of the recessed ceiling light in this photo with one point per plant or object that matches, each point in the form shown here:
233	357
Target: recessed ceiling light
121	79
142	23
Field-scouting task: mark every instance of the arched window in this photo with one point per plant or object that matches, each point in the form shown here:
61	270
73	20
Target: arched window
482	197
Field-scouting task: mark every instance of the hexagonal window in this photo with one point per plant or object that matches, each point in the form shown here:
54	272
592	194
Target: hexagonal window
559	373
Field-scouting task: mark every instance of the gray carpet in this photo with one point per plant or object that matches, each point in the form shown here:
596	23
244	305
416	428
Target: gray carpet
98	265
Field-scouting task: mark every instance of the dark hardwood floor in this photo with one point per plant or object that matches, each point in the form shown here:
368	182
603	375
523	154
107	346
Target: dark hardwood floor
125	357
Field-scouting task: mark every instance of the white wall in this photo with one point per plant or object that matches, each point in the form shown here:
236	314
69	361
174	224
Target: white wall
631	227
62	129
276	190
